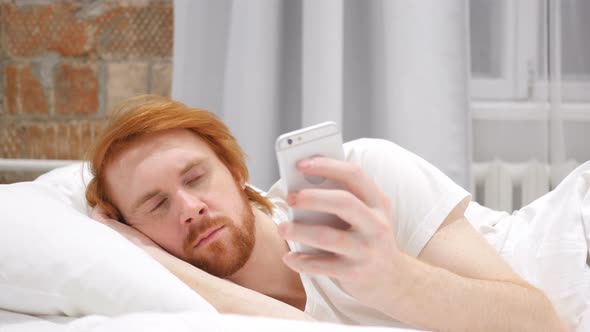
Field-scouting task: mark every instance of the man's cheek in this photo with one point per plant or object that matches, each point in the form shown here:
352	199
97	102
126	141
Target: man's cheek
172	243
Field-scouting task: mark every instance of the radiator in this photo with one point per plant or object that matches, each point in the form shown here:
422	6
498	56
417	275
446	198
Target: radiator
509	186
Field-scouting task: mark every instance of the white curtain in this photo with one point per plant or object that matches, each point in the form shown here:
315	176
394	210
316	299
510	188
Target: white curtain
393	69
568	62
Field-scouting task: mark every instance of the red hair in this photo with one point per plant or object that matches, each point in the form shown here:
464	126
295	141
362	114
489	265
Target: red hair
150	114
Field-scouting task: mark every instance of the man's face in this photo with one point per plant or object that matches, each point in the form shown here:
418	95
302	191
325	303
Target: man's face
173	188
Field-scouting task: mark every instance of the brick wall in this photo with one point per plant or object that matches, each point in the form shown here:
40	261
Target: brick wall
65	64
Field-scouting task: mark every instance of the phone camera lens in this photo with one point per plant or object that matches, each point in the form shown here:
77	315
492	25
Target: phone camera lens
289	141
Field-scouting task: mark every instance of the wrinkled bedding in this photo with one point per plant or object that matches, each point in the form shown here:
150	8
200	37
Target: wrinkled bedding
178	322
547	242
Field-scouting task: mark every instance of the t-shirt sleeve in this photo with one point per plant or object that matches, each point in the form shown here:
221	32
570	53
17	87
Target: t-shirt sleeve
421	195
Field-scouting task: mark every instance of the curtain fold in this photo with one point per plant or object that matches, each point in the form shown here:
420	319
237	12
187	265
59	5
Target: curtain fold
568	77
425	84
252	83
389	69
322	70
555	135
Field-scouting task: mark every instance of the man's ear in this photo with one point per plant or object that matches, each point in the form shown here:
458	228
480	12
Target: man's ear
242	183
240	179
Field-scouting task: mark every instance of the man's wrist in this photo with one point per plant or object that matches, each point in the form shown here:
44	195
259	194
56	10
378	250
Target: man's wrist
402	286
406	280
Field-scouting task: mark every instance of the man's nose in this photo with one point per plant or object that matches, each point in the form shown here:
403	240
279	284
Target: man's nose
193	208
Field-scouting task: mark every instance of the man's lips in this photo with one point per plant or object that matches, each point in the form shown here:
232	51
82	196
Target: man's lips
208	234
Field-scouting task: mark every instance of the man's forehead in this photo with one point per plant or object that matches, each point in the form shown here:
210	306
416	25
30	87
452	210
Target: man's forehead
146	156
145	146
166	138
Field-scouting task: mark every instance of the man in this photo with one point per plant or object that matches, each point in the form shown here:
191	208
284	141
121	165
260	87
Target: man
410	258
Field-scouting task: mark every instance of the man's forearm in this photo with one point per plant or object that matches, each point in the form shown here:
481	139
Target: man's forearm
224	295
456	303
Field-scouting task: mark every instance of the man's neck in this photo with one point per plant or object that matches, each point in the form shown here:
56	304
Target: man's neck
265	271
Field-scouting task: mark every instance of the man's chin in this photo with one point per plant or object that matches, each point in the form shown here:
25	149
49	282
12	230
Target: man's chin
219	268
222	263
227	254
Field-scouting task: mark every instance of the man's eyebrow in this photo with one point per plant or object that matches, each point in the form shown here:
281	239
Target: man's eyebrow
190	165
149	195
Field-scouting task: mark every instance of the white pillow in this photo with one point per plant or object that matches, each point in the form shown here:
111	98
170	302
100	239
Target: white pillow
55	260
71	181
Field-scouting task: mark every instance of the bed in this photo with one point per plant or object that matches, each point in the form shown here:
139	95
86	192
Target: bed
170	321
62	271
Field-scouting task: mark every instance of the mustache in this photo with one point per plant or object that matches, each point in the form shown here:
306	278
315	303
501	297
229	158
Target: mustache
203	225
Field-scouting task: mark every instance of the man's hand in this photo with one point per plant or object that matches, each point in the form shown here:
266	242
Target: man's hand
366	259
460	283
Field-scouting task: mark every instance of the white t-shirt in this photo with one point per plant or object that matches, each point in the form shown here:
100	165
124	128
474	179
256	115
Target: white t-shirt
421	196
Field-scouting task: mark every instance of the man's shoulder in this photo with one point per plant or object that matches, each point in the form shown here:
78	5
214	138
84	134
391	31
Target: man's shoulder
367	150
368	143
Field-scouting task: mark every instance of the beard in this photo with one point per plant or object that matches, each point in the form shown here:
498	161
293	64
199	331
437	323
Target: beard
227	254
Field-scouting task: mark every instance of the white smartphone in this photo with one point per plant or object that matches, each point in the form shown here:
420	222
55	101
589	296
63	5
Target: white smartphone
323	139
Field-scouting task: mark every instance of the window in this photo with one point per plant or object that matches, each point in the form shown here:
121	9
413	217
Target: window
526	55
511	45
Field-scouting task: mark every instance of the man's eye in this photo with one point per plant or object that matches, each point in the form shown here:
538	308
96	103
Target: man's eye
160	203
193	180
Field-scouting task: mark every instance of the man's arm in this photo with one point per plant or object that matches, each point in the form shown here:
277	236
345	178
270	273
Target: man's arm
460	281
461	284
223	295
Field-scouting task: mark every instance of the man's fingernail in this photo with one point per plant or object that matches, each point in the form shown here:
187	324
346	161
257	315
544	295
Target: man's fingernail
288	258
291	199
305	163
283	228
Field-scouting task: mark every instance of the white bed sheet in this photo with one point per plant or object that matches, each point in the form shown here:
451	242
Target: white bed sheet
547	243
178	322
